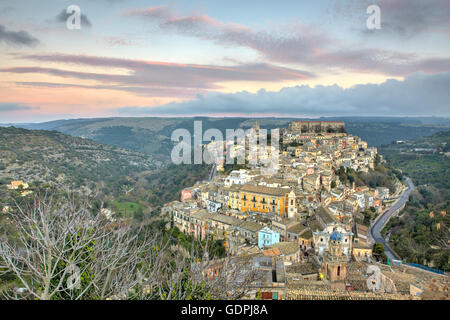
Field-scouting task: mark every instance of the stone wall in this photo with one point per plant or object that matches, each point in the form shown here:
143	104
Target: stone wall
317	126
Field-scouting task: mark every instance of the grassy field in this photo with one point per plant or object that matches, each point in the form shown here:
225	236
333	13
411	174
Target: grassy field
126	208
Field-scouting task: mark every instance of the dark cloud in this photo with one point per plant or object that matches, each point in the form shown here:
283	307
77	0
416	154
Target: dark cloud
301	45
6	10
63	15
17	37
419	94
8	107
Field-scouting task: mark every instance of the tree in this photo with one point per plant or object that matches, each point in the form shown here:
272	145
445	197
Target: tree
65	251
378	248
378	251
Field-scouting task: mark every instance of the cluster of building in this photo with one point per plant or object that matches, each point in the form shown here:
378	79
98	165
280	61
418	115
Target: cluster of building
21	186
301	215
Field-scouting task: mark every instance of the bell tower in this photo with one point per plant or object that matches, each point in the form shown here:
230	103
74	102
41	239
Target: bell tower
292	207
335	261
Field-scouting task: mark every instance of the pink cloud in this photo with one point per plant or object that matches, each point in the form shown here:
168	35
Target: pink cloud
306	45
153	77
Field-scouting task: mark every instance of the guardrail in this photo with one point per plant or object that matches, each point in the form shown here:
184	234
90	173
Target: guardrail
427	268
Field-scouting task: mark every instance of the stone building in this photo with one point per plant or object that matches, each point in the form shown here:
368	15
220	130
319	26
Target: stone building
335	260
323	239
317	126
263	199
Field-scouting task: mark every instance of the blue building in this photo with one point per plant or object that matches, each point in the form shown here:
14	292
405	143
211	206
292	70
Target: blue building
267	237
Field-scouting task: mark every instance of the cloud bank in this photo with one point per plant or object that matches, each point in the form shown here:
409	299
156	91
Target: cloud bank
11	107
419	94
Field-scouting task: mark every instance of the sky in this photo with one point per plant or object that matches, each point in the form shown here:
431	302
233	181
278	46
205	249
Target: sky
223	58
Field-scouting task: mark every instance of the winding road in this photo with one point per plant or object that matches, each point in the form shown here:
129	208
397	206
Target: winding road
375	229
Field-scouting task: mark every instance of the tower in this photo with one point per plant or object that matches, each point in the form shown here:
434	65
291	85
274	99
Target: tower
292	207
335	261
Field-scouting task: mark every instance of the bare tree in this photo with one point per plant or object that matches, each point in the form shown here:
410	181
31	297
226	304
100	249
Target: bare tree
65	250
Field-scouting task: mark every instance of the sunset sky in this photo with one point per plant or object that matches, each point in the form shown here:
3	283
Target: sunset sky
223	58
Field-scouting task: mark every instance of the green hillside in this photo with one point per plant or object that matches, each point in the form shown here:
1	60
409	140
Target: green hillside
152	135
50	157
420	234
425	160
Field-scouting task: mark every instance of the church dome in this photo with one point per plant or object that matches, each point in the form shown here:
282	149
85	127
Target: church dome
335	236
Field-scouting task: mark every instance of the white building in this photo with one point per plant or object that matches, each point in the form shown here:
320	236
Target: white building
322	239
237	177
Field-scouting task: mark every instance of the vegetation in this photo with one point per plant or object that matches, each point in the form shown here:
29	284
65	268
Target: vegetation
425	160
127	208
420	234
152	135
135	184
378	252
85	256
130	183
49	157
381	176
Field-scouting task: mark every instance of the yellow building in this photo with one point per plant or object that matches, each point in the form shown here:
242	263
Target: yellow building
266	199
360	250
233	197
16	184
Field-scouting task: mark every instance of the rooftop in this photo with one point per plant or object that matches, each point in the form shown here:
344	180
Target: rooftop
265	190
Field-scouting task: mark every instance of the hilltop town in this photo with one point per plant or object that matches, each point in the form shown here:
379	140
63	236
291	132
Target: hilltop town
304	226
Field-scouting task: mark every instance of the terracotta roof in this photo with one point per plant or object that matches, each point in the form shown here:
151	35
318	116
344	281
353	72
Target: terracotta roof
286	248
324	215
298	228
307	235
361	229
358	245
265	190
250	225
272	252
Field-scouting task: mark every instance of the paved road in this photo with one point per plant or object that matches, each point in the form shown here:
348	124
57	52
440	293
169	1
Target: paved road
376	228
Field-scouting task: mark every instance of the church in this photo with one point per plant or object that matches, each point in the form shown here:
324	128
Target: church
334	259
322	239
